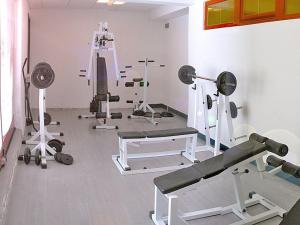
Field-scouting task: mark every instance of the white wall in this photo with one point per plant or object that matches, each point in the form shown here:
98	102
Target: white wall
177	55
265	58
61	38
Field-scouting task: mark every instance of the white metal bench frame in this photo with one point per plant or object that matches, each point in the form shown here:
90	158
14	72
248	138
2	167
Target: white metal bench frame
121	160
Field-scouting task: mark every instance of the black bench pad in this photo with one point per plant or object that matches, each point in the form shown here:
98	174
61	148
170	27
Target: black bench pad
158	133
293	216
242	152
132	135
185	177
171	132
211	167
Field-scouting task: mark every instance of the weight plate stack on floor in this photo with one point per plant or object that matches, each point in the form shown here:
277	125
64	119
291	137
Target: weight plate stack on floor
56	144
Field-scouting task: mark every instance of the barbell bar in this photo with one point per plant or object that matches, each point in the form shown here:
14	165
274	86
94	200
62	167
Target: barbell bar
226	82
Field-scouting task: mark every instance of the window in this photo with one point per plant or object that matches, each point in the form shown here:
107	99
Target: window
292	7
227	13
258	8
220	13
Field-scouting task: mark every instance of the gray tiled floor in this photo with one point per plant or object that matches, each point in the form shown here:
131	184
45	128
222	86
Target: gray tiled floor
92	191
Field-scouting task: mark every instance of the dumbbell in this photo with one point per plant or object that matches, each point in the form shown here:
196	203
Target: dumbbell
27	157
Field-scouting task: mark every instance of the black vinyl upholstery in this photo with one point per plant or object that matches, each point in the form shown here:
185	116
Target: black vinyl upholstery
293	216
184	177
102	83
157	133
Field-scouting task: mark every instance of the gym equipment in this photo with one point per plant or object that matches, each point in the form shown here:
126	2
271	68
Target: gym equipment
47	119
226	82
292	217
103	41
144	105
232	113
167	114
102	96
28	113
56	145
63	158
169	187
135	138
281	165
234	110
41	77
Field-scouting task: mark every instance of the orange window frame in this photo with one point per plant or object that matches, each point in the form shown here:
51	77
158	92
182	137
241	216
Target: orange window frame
240	19
213	2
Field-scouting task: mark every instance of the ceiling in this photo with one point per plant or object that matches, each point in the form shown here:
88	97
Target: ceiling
132	5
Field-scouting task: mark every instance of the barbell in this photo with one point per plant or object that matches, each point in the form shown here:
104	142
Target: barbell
226	82
42	76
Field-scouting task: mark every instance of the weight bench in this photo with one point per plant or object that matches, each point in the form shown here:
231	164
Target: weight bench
135	138
169	187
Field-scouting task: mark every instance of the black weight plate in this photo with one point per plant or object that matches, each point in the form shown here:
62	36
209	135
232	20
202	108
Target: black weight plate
167	114
185	73
150	114
66	159
27	156
226	83
42	76
57	145
209	102
138	113
38	157
58	157
233	110
47	119
43	64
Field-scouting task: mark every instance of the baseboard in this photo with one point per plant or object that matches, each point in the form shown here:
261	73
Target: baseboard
282	175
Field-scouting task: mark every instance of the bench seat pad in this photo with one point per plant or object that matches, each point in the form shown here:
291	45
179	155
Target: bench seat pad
293	216
171	132
185	177
211	167
132	135
157	133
